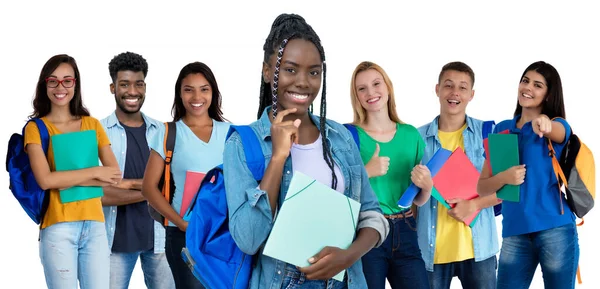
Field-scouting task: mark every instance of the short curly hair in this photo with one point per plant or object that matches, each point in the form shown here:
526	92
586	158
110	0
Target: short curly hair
127	61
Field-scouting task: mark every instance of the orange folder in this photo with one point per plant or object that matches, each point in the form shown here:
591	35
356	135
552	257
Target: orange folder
190	189
457	179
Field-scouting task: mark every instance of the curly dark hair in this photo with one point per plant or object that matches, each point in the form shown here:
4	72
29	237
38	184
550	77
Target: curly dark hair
127	61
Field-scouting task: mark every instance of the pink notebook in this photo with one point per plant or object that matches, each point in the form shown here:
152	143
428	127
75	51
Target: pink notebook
458	179
190	188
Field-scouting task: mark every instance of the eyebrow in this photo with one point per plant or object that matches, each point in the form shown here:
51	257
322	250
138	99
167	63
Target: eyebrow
296	64
201	86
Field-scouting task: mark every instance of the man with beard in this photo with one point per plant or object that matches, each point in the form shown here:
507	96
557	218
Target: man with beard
131	232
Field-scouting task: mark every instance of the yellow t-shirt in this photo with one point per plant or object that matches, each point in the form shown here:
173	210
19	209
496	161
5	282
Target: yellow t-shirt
454	242
88	210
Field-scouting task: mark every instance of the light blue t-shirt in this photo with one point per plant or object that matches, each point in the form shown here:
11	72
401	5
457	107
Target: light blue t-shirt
191	154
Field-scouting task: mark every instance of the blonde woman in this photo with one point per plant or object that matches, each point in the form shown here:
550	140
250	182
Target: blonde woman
391	151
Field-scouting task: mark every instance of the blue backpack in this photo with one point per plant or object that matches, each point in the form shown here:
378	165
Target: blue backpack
486	129
23	185
210	252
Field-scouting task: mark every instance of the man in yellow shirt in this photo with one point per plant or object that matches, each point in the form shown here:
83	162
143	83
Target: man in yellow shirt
449	247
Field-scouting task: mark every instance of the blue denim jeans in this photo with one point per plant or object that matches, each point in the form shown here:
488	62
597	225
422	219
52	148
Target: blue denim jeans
183	276
294	279
556	250
398	259
157	274
72	251
472	275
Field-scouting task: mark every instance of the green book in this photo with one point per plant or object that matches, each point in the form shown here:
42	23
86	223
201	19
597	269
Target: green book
75	151
504	154
312	217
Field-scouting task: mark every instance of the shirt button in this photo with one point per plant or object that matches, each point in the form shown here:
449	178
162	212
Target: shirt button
432	227
122	134
288	172
122	153
114	211
430	245
434	207
278	272
256	195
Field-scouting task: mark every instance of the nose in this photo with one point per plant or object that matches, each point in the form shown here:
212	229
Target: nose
301	80
132	90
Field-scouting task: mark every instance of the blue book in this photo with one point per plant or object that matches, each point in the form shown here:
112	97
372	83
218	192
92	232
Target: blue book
435	164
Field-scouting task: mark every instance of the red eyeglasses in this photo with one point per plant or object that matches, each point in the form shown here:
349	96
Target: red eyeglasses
66	83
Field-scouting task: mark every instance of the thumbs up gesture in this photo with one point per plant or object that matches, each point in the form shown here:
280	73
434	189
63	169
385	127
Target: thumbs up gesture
377	166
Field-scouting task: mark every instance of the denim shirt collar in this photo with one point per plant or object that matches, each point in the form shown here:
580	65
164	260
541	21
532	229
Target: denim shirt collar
112	121
264	124
433	128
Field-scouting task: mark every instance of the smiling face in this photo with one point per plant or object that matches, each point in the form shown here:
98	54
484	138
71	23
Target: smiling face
299	75
533	89
454	92
60	85
129	90
371	90
196	94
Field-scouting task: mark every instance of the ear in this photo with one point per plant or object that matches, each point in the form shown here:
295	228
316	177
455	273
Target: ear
112	88
472	94
437	90
266	71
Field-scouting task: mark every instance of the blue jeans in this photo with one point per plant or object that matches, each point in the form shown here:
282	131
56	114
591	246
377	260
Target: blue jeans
294	279
472	275
183	276
398	258
157	274
72	251
556	250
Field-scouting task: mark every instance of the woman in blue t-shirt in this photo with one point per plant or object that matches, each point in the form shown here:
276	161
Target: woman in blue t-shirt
540	228
199	142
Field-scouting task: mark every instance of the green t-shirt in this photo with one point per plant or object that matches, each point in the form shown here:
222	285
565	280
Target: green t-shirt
405	151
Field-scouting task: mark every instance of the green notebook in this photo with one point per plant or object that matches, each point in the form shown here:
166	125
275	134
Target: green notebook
504	154
312	217
75	151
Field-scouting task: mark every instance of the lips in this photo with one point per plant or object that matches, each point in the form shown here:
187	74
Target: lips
526	95
297	97
454	101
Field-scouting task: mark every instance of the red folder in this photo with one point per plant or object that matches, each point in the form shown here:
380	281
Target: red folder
190	189
458	179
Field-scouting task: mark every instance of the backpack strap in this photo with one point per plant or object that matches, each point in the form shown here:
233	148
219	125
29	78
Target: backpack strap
354	133
558	172
255	159
44	135
169	146
487	128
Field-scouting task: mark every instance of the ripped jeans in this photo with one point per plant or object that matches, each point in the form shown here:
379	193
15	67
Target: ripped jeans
72	251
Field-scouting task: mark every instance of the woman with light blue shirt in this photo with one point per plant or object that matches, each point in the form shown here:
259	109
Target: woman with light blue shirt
199	143
293	139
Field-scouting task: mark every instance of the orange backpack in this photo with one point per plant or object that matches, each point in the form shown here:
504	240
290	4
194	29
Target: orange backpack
576	170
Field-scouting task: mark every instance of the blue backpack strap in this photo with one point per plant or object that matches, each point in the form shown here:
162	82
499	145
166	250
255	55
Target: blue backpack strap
487	128
44	135
255	159
354	133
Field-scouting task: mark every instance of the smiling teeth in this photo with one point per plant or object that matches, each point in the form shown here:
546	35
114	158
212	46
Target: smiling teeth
299	96
197	104
60	95
132	100
374	99
527	96
453	101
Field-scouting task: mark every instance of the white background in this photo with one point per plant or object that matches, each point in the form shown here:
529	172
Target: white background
410	41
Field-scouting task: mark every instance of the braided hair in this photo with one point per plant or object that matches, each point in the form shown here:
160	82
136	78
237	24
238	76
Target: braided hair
287	27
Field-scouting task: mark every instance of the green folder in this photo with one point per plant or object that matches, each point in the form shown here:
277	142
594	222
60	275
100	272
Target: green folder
75	151
312	217
504	154
439	198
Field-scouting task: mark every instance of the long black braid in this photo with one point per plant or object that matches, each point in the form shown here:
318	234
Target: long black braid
285	28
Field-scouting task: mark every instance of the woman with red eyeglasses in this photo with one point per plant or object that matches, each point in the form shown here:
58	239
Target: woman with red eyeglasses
73	244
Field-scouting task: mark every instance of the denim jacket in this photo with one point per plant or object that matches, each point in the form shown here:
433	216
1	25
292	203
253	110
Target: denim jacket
250	216
118	140
485	236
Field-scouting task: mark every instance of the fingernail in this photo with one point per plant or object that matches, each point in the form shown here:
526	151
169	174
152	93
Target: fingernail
312	259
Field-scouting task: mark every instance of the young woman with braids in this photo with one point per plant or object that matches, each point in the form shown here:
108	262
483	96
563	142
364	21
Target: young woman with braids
293	139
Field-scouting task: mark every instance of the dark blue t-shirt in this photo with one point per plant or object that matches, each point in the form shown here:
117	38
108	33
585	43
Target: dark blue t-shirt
134	227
